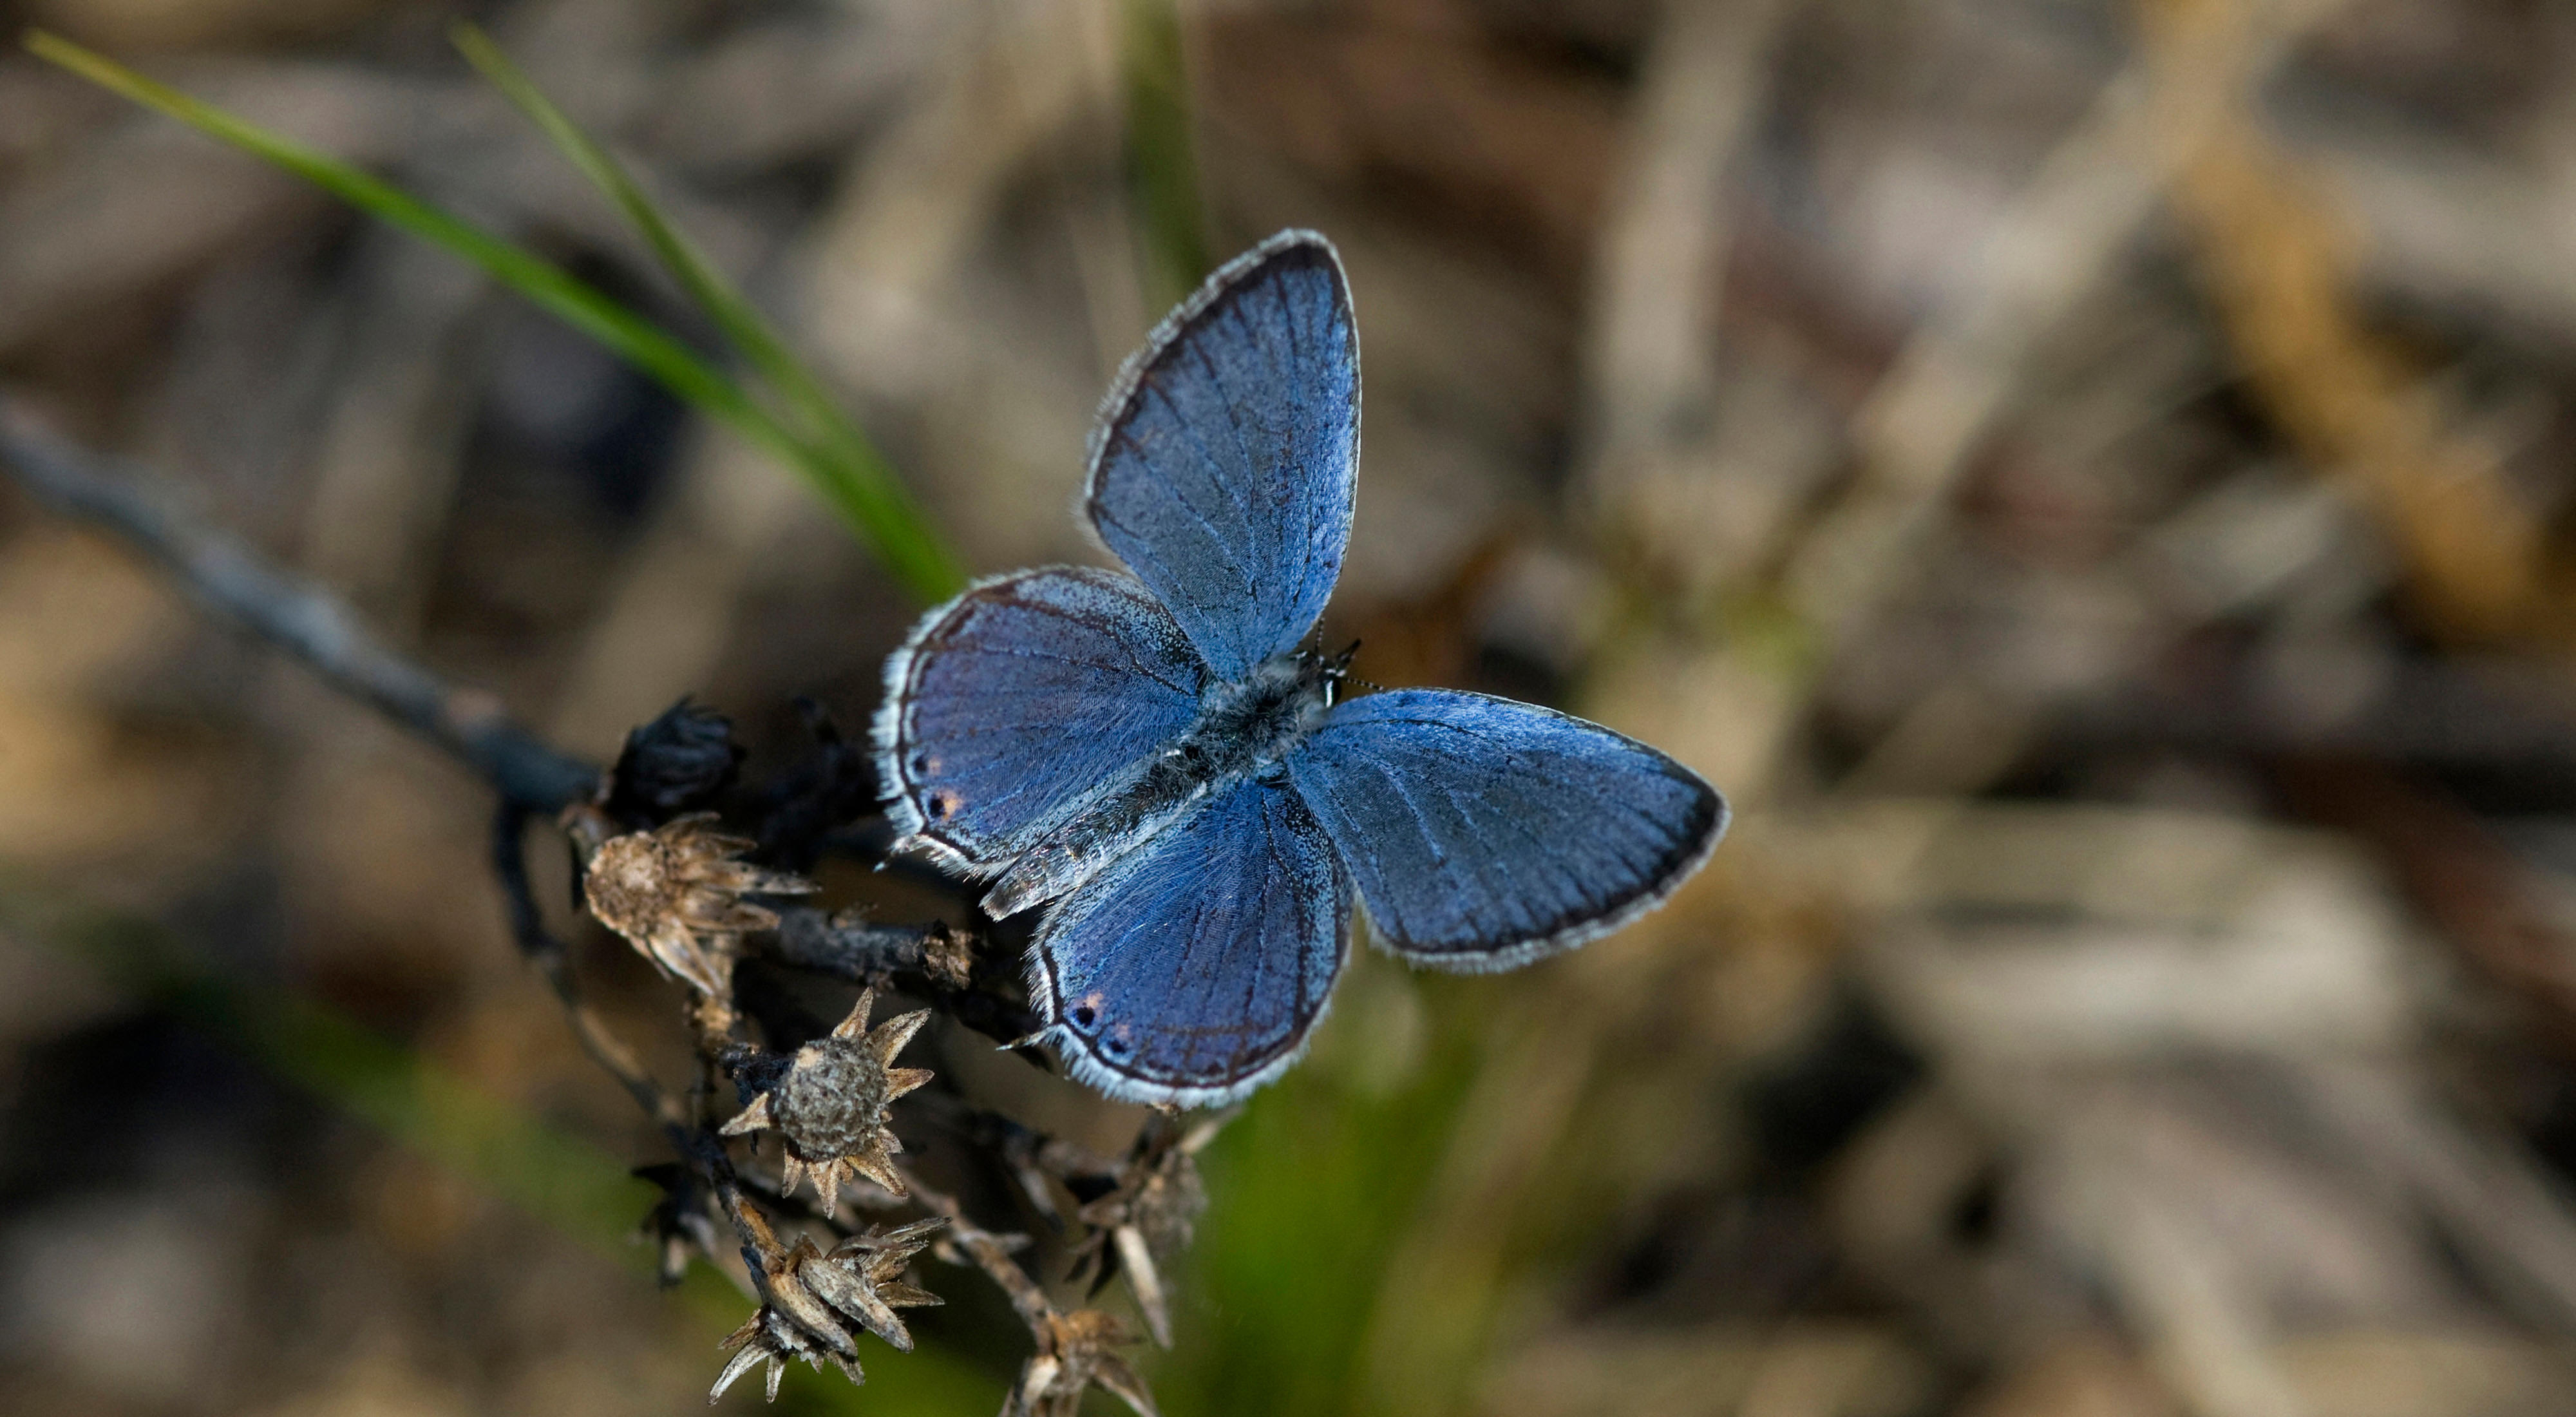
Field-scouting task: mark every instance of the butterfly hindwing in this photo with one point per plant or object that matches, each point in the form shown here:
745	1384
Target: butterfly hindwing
1223	463
1191	970
1483	833
1013	703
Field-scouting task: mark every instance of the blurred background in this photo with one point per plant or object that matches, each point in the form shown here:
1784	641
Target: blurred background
2089	478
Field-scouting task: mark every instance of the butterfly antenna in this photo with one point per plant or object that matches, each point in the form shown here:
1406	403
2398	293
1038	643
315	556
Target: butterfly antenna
1338	668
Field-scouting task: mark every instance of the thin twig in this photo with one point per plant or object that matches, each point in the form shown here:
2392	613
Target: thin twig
990	1253
225	578
531	777
528	927
826	942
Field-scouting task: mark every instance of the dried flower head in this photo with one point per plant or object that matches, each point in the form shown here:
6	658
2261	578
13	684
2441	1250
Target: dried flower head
680	761
814	1304
1149	1212
829	1104
1075	1353
676	894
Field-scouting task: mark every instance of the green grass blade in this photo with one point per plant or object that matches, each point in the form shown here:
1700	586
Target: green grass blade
632	337
857	478
868	498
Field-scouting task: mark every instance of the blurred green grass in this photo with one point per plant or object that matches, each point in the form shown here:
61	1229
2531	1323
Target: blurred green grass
1162	162
1311	1191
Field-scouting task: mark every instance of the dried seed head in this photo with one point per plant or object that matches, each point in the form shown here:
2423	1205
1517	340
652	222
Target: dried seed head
680	761
830	1105
1161	1196
814	1304
676	894
1150	1210
1075	1353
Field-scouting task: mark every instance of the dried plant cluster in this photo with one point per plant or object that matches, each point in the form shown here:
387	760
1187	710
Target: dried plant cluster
812	1302
656	869
656	865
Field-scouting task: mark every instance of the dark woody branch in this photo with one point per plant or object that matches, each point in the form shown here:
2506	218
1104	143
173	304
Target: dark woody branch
827	942
230	582
935	961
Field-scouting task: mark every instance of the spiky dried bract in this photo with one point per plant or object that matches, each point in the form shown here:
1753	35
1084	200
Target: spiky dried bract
1159	1194
830	1105
813	1304
1075	1353
1150	1211
676	894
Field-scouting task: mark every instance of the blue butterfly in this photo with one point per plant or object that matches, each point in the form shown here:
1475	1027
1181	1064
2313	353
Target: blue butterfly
1151	758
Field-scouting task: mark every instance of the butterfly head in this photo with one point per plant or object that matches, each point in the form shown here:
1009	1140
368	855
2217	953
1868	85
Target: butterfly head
1329	670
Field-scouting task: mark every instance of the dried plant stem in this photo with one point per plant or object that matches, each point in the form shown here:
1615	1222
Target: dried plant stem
2280	264
226	579
528	927
989	1252
934	961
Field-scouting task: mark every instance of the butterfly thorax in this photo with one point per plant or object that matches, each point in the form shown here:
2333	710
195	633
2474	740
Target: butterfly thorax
1243	730
1248	727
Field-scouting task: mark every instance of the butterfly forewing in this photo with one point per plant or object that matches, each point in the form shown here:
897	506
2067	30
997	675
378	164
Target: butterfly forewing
1484	833
1222	467
1022	698
1190	971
